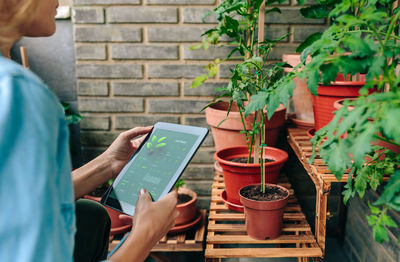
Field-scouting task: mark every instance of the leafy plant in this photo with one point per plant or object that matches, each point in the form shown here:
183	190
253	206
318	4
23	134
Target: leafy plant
179	184
70	115
254	83
363	38
155	143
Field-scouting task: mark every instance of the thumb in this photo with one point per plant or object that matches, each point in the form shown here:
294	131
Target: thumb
144	197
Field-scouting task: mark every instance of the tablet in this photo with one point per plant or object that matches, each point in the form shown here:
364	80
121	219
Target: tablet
156	165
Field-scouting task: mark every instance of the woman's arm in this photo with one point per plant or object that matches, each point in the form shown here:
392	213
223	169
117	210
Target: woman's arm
109	164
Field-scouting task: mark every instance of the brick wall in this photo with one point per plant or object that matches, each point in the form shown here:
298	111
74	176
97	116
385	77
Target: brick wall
134	68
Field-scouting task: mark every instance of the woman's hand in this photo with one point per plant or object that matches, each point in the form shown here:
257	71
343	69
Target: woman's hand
152	221
123	147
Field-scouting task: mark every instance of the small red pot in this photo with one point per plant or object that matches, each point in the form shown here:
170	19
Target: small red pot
264	218
188	210
117	226
228	133
327	95
238	175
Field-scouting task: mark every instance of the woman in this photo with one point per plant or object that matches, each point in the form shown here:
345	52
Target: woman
37	221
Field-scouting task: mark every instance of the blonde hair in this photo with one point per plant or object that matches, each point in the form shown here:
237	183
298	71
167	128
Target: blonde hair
15	16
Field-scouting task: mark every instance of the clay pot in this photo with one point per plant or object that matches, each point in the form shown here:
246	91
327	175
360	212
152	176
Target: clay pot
301	98
188	210
327	95
228	133
264	218
117	226
238	175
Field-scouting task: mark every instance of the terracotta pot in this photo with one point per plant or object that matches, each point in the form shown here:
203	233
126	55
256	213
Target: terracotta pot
264	218
117	227
188	210
327	95
228	133
238	175
301	98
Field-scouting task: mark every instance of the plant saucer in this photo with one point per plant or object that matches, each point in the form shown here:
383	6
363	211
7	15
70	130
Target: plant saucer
231	206
311	132
303	124
185	227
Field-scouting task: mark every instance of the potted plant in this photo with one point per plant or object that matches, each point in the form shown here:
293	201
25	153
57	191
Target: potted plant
365	139
187	199
237	20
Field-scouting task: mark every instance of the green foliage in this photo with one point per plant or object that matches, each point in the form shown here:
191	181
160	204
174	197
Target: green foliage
70	115
362	40
179	183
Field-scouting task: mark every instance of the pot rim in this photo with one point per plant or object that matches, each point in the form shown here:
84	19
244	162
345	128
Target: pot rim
272	201
283	154
344	83
191	193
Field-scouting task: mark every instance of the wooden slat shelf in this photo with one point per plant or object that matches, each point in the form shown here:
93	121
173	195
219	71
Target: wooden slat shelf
227	236
189	241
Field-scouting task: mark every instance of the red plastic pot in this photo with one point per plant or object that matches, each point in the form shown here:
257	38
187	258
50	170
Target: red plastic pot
117	226
228	133
238	175
327	95
264	218
188	210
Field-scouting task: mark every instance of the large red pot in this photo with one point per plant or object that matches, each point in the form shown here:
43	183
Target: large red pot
228	133
327	95
238	175
264	218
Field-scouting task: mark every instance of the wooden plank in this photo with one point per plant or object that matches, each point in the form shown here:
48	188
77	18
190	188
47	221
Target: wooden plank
240	216
245	239
262	252
242	227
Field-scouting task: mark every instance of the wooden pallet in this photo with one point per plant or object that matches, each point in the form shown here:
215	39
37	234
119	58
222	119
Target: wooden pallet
227	237
189	241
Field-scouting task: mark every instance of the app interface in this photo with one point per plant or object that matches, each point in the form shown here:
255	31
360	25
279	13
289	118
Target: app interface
155	164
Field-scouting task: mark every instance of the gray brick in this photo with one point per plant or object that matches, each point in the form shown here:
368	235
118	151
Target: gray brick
224	70
97	88
127	51
203	202
145	89
279	50
111	105
196	121
175	106
88	15
180	2
109	33
98	138
105	2
207	89
204	156
274	32
109	71
212	53
194	172
202	188
126	14
95	123
175	71
208	141
126	122
176	34
302	32
91	52
194	15
290	16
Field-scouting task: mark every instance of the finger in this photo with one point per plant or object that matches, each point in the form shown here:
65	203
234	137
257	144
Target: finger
144	196
137	131
125	219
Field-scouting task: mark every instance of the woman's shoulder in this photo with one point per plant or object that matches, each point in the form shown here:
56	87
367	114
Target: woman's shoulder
11	69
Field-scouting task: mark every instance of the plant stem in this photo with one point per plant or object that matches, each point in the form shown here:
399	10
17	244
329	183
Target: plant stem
262	152
386	140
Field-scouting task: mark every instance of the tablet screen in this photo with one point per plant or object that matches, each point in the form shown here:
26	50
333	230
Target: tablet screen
156	167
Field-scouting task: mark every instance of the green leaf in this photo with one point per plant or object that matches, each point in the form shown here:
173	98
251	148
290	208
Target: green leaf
154	139
161	139
361	145
160	145
257	102
272	10
329	73
388	221
313	81
273	103
380	233
198	81
374	209
285	91
308	41
391	189
315	11
149	145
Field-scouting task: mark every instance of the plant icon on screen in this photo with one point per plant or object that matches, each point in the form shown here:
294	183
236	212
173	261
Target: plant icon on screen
155	143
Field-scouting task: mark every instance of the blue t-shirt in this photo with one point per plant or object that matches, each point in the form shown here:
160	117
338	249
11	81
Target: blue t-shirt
37	217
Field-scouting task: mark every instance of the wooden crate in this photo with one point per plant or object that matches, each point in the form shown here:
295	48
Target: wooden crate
189	241
227	237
